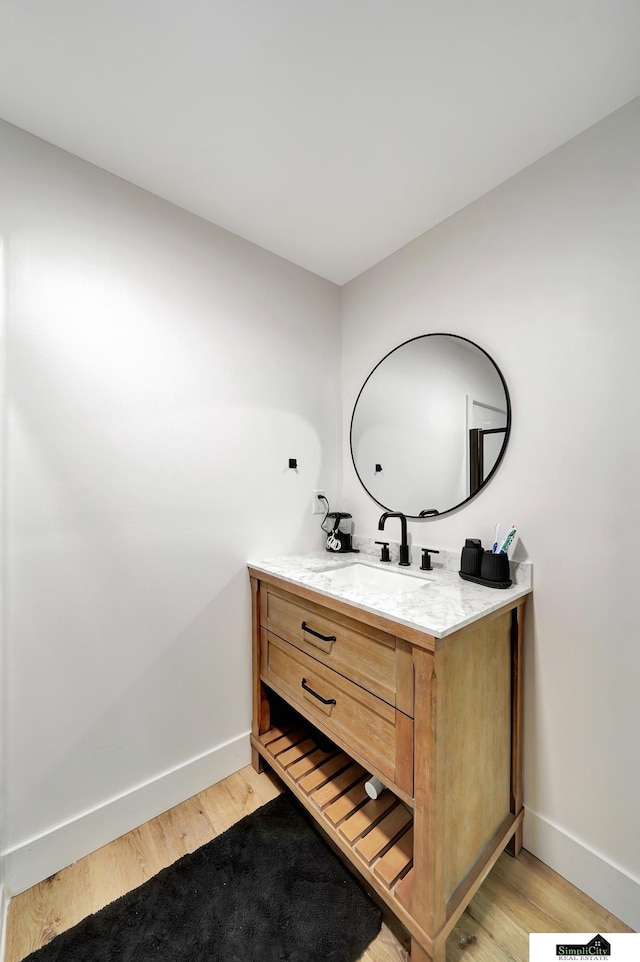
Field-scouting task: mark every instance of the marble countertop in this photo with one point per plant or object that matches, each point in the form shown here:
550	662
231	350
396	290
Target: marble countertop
442	605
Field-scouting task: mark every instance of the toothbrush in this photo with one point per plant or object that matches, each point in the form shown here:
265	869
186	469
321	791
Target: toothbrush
496	539
511	533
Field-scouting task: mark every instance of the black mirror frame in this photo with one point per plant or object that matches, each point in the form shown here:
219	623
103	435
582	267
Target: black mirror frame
455	507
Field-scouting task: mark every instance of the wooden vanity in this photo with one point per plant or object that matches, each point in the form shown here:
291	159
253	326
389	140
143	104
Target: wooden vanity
341	693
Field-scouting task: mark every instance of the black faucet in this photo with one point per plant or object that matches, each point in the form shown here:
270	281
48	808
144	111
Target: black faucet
404	547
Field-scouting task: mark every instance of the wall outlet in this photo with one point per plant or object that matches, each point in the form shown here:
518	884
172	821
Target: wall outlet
318	506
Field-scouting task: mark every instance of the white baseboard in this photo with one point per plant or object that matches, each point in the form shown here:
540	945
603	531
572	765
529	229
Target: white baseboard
36	859
609	885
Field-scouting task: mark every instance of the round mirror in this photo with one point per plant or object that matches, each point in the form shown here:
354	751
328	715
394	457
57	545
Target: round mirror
430	425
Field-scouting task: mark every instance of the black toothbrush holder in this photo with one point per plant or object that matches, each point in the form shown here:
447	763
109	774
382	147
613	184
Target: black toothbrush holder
494	569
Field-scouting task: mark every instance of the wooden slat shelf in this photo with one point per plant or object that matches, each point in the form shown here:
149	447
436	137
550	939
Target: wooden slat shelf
377	832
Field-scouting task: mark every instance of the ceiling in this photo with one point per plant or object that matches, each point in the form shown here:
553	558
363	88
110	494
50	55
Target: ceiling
331	133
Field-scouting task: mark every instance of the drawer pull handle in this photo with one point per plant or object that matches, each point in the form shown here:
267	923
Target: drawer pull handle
305	627
325	701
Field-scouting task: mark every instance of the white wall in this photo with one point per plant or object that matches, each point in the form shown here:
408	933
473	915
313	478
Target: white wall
3	411
543	273
160	374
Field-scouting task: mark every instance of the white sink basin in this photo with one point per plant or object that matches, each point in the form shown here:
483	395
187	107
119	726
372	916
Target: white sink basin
375	579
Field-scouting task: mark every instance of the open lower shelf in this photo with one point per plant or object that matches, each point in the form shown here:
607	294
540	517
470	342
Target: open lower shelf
376	833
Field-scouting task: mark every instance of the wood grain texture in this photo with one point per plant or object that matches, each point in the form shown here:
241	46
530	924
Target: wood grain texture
477	747
519	895
261	717
367	655
424	886
353	714
517	673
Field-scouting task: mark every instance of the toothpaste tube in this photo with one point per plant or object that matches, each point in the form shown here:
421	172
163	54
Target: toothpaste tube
511	533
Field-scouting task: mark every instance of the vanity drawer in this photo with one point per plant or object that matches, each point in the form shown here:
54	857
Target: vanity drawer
372	728
366	655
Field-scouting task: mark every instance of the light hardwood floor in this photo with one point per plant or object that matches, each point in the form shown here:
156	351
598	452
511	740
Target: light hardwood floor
519	896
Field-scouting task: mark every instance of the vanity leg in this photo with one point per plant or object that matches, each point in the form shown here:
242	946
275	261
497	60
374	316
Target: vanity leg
256	761
514	845
261	709
418	954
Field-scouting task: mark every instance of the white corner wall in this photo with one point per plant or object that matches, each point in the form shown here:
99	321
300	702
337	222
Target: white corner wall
160	374
543	273
3	410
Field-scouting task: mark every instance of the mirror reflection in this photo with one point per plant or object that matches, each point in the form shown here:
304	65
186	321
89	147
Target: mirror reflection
430	425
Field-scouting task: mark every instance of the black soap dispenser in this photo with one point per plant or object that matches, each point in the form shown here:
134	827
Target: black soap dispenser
471	558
